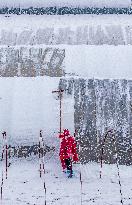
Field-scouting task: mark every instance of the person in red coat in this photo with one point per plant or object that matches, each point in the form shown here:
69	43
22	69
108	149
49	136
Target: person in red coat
68	151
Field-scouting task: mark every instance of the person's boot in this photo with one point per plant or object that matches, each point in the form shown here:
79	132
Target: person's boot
64	171
70	172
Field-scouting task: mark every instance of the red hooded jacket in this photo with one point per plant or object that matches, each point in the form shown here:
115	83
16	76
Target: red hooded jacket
68	148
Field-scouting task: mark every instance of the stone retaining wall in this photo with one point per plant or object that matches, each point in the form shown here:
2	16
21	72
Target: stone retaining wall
102	105
31	62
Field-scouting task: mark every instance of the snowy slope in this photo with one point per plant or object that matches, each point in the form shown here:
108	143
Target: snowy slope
24	186
102	62
33	23
25	22
88	3
28	105
73	30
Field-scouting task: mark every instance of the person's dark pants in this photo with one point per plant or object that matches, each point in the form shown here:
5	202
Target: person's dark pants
69	165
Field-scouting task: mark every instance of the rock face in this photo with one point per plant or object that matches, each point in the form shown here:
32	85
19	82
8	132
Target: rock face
100	106
31	62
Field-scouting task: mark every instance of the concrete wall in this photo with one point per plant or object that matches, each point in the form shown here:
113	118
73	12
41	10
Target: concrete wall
31	61
101	105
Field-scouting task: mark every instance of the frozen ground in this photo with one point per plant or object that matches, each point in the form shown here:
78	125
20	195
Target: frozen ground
24	187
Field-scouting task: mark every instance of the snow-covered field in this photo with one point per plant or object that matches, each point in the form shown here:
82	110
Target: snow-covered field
97	3
24	186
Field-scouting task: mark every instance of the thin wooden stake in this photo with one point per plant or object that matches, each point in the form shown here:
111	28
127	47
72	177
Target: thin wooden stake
39	151
118	170
117	164
60	97
2	160
6	153
43	164
81	177
6	159
81	182
2	182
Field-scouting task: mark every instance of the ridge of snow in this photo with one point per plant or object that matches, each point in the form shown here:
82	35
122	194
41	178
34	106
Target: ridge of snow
60	3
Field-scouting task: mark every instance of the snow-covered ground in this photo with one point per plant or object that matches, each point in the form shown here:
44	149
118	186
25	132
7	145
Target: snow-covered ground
31	23
96	3
28	105
24	186
102	62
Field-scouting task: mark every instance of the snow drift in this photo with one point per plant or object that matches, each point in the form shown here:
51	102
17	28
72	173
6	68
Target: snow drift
81	3
68	30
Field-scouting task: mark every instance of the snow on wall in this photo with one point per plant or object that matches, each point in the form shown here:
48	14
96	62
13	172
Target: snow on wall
28	105
101	105
88	3
93	106
102	62
31	61
80	60
73	30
